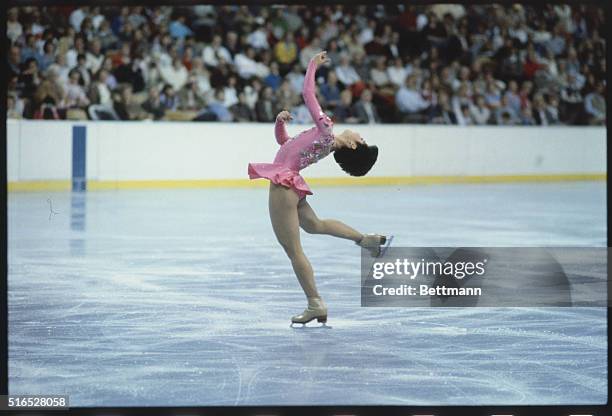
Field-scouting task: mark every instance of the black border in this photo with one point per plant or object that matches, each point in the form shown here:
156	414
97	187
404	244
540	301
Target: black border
605	409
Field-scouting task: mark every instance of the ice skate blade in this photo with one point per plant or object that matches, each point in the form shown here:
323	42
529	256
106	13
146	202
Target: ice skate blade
385	246
304	327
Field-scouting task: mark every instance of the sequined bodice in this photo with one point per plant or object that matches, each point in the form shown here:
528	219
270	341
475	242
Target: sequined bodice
306	148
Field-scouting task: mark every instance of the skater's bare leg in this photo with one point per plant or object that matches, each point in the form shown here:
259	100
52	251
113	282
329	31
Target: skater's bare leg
313	225
283	203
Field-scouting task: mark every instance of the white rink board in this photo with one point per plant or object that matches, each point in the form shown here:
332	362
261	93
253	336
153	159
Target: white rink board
123	151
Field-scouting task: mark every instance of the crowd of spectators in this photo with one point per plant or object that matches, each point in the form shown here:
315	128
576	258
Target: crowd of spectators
445	64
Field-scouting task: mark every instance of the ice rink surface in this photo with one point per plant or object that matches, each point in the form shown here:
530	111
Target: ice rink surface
183	298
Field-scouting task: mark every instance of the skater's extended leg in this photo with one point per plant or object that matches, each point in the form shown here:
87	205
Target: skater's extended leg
283	204
313	225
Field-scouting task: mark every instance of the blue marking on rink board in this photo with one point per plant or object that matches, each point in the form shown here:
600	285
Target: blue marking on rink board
79	178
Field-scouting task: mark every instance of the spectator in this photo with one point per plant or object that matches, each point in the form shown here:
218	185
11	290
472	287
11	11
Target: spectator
595	106
330	90
247	66
213	52
153	105
273	79
379	74
218	107
408	100
309	51
178	29
296	78
397	73
175	75
344	111
265	108
286	98
99	92
365	111
480	113
345	72
285	52
190	98
125	106
75	94
168	98
230	92
241	110
14	106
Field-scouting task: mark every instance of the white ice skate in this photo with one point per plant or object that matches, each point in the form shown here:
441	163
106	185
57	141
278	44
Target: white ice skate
316	310
376	244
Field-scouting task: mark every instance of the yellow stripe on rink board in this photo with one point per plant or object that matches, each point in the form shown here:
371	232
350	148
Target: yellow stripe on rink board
345	181
33	186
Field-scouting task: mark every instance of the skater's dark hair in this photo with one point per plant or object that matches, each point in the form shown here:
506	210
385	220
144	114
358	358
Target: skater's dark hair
356	162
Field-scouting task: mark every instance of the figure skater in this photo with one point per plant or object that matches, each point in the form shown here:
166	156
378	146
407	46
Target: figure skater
288	207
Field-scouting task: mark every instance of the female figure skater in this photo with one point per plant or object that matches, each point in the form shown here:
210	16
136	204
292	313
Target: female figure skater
288	207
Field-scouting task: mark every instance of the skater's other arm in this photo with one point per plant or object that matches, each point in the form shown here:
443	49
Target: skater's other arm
280	130
321	119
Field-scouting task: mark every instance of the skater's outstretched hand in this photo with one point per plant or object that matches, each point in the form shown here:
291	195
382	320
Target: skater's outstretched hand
284	116
321	58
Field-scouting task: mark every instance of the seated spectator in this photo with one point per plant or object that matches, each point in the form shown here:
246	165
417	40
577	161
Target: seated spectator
266	108
30	50
505	114
572	101
190	98
29	79
230	92
285	52
74	93
344	112
286	98
296	78
408	99
309	51
48	57
330	90
552	109
99	93
379	74
480	111
364	110
345	72
94	57
273	79
397	73
81	67
247	66
175	75
595	105
441	112
464	116
241	110
178	29
168	98
218	107
540	115
258	38
153	105
125	106
512	96
213	52
14	106
201	76
526	116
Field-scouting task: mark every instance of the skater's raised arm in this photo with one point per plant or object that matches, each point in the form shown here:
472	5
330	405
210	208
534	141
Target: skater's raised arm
280	130
310	99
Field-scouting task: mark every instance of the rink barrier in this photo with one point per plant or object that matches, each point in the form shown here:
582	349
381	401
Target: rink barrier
33	186
64	155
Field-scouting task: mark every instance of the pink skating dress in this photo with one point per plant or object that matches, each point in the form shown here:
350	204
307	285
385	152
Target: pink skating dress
300	151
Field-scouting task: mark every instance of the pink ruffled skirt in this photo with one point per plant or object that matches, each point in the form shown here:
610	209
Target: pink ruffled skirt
280	175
